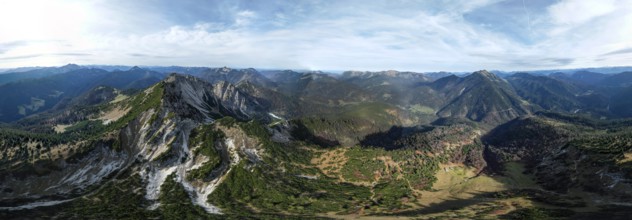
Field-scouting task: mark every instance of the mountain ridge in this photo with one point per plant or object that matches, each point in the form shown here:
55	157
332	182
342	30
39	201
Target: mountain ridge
306	145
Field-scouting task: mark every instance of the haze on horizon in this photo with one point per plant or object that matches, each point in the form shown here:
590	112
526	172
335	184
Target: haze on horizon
455	35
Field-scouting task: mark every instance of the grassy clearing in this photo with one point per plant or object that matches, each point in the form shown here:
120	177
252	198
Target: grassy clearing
370	166
119	98
331	162
362	166
61	128
379	113
458	182
393	176
515	177
627	158
421	109
113	114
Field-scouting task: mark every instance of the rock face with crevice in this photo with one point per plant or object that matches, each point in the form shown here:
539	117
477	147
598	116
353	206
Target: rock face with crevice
62	178
162	138
153	145
177	157
193	98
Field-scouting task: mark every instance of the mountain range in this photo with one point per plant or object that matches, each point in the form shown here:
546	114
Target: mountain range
84	142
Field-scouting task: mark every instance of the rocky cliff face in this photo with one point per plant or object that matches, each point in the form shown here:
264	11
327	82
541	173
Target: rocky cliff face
154	145
50	181
190	97
166	149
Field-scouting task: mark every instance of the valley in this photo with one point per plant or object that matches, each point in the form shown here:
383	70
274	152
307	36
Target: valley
237	143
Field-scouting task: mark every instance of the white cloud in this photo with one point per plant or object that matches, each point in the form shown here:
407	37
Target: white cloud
244	18
329	36
41	20
573	12
585	30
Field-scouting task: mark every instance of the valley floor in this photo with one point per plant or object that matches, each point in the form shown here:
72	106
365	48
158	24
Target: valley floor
462	193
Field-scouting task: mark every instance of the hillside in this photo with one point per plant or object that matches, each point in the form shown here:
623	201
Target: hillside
8	77
37	95
482	96
547	92
171	123
303	145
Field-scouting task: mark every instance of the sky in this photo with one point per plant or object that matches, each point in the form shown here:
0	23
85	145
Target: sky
423	36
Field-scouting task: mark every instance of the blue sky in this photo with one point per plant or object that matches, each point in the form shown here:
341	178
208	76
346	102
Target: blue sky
449	35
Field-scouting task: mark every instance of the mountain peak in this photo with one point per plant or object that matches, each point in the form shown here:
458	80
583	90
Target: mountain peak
135	68
387	73
200	100
176	77
70	65
224	70
486	75
250	70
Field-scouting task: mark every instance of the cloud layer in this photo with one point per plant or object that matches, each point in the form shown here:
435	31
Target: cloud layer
454	35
